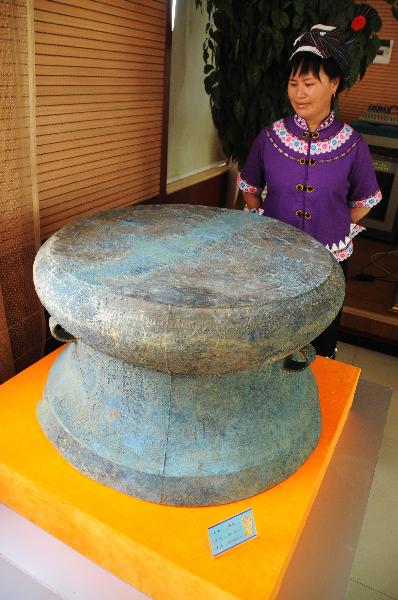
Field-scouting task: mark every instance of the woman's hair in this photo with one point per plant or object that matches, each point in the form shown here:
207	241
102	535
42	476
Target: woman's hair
308	62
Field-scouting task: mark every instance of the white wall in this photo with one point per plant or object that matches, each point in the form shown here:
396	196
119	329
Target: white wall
193	143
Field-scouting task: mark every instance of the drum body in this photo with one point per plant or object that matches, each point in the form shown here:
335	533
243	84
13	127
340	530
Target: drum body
183	383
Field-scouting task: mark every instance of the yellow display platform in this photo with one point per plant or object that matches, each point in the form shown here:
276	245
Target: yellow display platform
161	550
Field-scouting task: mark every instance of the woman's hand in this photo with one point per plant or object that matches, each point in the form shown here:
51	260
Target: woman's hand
252	200
358	213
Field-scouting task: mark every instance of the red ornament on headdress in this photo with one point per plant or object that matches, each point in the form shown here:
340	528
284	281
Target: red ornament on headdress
358	23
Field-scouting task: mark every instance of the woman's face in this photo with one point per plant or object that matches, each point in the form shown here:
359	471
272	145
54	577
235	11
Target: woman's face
311	97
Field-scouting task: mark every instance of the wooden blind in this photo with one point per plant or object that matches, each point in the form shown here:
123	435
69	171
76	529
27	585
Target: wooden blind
380	84
100	68
20	311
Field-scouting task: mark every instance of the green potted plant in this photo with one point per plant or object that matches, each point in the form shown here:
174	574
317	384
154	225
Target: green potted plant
246	53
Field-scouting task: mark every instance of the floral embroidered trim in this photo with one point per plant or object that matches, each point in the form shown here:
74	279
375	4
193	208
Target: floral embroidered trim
302	123
344	254
321	147
319	160
367	202
344	249
288	139
247	187
318	142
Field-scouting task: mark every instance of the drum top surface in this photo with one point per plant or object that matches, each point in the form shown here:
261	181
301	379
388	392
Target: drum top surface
189	256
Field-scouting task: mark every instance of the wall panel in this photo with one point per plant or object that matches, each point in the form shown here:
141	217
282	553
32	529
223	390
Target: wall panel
100	77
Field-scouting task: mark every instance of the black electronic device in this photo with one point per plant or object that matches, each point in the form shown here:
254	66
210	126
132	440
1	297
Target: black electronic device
379	127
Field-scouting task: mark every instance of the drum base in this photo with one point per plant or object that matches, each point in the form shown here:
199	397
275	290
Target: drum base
178	439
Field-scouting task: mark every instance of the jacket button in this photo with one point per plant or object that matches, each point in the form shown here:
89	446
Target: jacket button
307	214
312	162
299	187
310	188
315	134
299	213
302	161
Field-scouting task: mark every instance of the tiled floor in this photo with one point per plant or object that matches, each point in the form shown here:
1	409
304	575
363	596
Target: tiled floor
374	574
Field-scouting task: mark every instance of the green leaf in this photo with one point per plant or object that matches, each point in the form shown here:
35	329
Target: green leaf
264	99
269	57
266	29
238	109
244	31
284	19
355	69
363	67
373	22
279	43
216	92
264	8
297	21
340	21
275	18
255	76
252	114
210	81
279	18
313	14
243	92
259	46
299	5
236	53
375	43
249	14
217	20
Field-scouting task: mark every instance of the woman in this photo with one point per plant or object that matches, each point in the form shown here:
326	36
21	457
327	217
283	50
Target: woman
317	170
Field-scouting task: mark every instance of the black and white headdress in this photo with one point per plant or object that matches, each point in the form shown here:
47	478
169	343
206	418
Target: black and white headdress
324	41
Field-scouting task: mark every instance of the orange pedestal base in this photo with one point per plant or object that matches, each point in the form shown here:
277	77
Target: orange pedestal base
161	550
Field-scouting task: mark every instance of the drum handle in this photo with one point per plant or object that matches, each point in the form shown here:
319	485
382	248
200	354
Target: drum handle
59	333
308	352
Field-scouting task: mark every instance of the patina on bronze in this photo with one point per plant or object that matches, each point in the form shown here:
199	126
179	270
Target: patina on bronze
183	382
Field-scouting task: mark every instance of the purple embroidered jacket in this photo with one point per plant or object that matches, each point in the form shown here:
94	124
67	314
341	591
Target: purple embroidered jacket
313	179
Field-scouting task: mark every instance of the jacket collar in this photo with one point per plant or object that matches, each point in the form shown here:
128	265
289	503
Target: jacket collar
302	123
